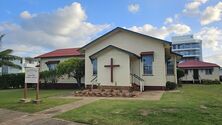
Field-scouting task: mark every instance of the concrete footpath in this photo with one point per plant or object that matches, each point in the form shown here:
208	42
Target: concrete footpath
8	117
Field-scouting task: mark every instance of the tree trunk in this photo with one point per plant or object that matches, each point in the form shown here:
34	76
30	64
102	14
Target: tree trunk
78	82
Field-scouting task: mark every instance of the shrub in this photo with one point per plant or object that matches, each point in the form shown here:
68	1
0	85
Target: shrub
179	84
180	74
49	76
59	86
12	81
171	85
210	82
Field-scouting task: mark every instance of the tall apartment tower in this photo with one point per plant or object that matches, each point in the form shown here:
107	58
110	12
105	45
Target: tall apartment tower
186	45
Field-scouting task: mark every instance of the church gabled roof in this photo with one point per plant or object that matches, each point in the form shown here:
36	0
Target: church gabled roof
117	29
111	46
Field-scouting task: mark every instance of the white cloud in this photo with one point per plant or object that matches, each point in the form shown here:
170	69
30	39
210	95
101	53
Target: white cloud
133	8
168	20
192	8
212	44
212	14
65	27
26	15
217	58
211	37
163	31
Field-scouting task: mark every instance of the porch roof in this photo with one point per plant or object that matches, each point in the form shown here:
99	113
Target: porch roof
111	46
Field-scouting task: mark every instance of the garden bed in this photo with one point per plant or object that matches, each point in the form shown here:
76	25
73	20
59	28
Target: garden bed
107	93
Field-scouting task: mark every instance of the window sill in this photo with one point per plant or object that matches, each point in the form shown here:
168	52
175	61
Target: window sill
170	74
148	75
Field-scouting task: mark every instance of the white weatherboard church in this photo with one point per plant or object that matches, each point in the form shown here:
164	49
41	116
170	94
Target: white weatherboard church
124	58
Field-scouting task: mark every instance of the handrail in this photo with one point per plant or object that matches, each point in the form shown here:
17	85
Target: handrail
140	79
94	78
137	77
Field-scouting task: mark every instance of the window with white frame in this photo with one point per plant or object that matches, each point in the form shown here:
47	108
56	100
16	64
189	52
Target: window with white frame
208	71
52	66
147	64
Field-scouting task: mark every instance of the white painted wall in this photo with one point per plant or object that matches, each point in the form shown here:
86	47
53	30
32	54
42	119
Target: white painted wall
121	76
215	75
173	78
135	69
135	44
24	63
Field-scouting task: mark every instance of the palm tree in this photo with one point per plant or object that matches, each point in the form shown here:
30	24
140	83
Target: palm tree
6	59
1	36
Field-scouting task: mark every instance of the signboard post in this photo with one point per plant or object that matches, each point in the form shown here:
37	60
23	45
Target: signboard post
31	76
25	99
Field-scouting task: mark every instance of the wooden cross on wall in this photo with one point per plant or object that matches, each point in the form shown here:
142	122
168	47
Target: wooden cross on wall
111	66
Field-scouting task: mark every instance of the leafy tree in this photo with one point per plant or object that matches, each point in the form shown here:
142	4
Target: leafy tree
180	73
73	67
49	76
6	59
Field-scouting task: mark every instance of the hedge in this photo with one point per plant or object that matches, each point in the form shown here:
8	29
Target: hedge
210	82
171	85
12	81
60	86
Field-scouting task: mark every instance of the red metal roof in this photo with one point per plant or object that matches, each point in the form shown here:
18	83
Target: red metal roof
196	64
70	52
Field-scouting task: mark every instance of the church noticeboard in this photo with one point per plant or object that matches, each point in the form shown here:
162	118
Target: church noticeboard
31	75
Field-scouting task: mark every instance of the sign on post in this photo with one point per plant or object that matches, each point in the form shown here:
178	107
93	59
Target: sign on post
31	75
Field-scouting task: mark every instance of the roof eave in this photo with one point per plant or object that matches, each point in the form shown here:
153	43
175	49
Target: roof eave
60	56
111	46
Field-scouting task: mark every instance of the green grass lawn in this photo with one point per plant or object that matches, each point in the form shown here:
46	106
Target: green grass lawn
9	99
193	105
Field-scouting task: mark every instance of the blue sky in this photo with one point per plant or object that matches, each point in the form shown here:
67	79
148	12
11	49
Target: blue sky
33	27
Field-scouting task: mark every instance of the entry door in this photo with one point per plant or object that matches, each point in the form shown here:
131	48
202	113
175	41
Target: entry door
195	74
